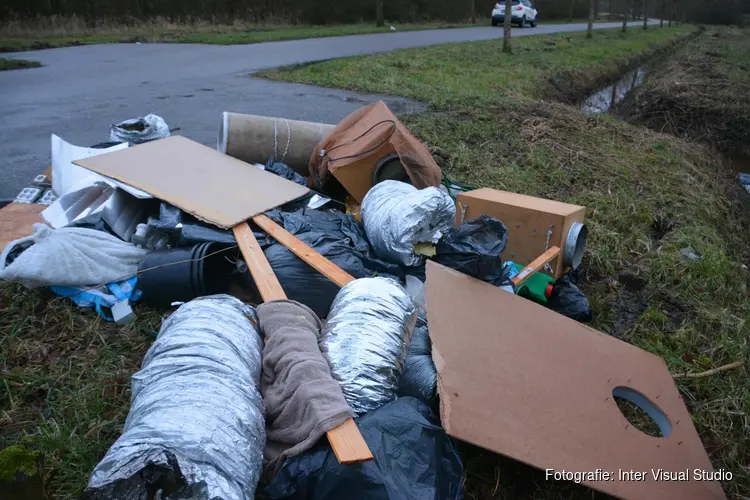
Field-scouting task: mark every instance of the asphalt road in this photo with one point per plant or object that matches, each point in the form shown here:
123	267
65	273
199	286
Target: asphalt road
80	91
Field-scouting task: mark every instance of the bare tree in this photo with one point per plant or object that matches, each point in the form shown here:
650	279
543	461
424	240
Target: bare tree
661	13
506	26
645	14
610	10
473	11
379	13
671	12
592	8
570	14
625	16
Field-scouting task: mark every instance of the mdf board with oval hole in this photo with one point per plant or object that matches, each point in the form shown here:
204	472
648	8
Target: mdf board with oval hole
523	381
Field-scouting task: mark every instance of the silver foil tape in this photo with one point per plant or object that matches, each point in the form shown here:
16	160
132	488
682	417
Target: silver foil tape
365	340
397	216
195	407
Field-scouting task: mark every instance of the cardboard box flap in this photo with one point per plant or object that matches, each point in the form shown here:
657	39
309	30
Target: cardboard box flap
212	186
360	141
528	383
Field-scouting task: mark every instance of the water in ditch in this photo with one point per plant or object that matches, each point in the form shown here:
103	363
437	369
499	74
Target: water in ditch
602	100
740	164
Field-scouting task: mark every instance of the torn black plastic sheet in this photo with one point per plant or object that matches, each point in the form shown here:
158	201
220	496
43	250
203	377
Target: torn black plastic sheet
414	460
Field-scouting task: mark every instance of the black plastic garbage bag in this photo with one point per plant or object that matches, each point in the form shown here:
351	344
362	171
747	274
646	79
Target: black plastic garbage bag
419	377
414	459
184	230
303	283
283	170
336	236
567	299
474	248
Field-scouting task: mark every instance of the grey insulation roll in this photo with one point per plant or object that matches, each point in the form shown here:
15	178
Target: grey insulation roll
255	139
397	216
366	338
196	420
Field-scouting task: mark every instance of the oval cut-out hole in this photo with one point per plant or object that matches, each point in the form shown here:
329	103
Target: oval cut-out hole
641	412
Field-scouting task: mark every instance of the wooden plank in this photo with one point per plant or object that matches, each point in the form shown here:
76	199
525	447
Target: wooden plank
17	219
348	444
538	263
263	275
304	252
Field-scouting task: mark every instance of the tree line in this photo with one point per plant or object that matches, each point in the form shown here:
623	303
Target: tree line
351	11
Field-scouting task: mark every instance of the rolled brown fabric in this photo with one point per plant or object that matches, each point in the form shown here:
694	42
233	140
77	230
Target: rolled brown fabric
302	400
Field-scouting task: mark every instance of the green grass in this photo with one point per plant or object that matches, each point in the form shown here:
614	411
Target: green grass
65	388
30	39
8	64
477	73
66	381
295	33
492	121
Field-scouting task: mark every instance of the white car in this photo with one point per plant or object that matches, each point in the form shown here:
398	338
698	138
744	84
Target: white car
523	13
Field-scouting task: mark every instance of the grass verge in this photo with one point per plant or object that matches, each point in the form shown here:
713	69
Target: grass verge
66	389
648	196
8	64
702	93
28	38
478	74
65	32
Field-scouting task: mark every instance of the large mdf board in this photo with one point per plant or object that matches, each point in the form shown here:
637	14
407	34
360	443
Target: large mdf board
17	220
210	185
528	383
528	219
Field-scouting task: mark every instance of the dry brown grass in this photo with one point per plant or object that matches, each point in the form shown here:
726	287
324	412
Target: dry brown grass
702	93
74	26
62	31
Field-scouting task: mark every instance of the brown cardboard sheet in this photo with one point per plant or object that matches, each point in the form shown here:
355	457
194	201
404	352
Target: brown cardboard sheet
212	186
530	384
360	141
17	220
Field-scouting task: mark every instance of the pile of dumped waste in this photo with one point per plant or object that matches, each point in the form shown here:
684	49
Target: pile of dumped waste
340	313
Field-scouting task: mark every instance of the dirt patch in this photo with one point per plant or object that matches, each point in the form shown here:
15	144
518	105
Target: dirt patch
572	86
701	93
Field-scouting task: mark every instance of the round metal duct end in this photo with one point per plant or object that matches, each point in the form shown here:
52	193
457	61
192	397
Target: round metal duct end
575	245
390	168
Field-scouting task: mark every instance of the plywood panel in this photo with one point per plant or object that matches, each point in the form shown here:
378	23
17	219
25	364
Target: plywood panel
212	186
528	383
